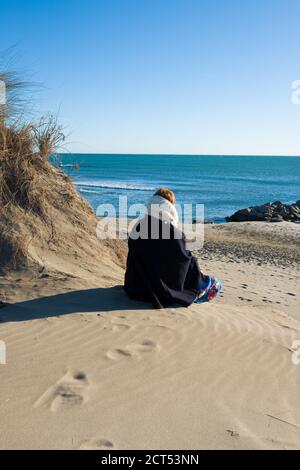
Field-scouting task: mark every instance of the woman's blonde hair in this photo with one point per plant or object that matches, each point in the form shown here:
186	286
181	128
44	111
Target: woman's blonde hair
166	194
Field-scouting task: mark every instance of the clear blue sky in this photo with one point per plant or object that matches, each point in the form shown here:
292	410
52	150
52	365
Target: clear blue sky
164	76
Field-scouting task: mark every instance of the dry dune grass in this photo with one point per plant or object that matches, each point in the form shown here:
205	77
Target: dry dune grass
40	210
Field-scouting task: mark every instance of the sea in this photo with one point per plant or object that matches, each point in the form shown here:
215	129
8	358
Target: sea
223	184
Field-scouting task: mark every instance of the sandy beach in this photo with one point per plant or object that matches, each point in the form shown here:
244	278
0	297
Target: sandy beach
87	368
184	114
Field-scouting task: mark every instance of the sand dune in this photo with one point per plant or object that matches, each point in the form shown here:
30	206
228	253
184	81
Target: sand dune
90	369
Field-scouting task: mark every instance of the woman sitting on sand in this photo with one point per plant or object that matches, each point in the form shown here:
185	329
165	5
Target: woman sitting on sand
159	268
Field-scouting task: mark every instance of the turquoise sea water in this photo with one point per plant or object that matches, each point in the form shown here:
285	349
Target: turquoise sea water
223	184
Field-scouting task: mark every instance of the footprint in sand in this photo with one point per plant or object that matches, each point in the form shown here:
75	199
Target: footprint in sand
163	327
133	350
96	444
118	354
116	327
244	298
232	433
68	392
146	346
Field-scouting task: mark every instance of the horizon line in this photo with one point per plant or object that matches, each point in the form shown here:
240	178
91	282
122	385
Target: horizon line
178	154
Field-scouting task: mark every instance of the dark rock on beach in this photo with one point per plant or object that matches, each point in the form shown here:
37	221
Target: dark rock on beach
270	212
205	221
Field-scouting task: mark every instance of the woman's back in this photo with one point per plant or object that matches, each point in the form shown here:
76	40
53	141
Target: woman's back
159	267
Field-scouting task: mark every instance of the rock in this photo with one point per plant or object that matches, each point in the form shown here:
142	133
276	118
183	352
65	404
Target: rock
295	209
241	215
205	221
278	218
277	203
270	212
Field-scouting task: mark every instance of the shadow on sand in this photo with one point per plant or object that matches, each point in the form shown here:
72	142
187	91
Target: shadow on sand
104	299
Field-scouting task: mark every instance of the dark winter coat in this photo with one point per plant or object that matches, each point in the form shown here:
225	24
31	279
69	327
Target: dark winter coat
161	270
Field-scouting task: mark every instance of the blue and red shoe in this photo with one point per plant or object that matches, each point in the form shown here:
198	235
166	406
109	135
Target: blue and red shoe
209	289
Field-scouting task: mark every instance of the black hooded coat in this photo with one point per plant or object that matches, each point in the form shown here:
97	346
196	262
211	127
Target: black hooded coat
159	268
